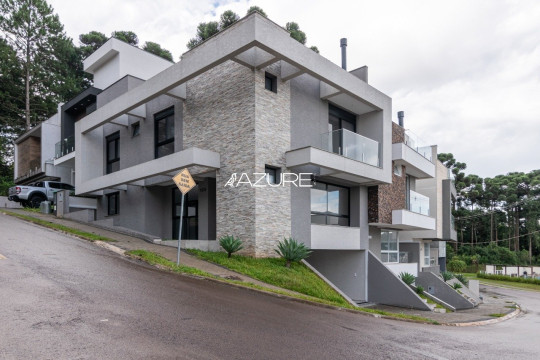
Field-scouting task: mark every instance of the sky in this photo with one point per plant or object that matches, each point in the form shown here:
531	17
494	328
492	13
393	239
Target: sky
466	73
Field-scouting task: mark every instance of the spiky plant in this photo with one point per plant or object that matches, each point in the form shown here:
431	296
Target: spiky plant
420	290
292	251
407	278
447	275
462	279
230	244
457	286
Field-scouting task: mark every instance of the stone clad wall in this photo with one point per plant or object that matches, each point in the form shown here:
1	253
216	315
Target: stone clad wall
219	115
29	155
272	140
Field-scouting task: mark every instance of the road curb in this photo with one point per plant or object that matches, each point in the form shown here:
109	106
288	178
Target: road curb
489	321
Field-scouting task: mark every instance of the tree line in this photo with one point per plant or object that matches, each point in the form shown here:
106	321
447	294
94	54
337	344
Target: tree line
497	219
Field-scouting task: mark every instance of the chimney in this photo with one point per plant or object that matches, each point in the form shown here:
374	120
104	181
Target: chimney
343	43
400	115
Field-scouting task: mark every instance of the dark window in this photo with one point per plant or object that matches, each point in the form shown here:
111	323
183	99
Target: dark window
38	184
341	119
190	219
112	203
272	174
270	82
68	187
54	185
135	129
329	204
113	152
164	133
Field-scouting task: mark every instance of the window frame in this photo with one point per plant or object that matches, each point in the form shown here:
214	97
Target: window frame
114	137
116	197
387	251
327	213
135	129
269	77
162	115
277	174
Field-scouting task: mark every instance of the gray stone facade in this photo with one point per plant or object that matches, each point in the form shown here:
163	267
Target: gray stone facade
228	111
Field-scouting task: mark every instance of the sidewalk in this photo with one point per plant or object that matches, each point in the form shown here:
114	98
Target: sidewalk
494	303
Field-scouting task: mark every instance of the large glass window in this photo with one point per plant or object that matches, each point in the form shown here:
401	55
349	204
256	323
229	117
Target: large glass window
329	204
113	152
389	246
112	203
426	254
164	133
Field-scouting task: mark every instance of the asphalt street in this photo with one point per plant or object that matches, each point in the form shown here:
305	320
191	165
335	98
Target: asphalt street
65	298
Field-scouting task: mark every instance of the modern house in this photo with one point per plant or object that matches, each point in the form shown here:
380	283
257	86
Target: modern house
252	103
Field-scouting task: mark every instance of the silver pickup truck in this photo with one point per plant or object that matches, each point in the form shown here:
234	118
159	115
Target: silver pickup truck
33	194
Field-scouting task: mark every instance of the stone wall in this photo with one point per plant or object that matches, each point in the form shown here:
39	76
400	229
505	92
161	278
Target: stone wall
29	155
219	115
272	140
398	134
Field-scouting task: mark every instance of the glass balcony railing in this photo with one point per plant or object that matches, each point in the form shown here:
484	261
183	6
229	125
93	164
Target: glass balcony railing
414	142
418	203
351	145
64	147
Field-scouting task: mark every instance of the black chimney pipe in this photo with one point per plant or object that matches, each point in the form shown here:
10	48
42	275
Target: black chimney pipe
401	116
343	43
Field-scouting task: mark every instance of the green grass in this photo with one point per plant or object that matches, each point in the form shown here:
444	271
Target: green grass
429	301
510	284
156	259
497	315
273	271
82	234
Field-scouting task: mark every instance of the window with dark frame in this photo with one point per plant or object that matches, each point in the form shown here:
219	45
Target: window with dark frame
113	152
135	129
164	133
113	203
270	82
272	174
329	204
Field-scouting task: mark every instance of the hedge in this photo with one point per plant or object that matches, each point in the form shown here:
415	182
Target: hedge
508	278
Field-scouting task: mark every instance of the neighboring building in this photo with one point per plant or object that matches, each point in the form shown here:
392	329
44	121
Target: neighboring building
253	100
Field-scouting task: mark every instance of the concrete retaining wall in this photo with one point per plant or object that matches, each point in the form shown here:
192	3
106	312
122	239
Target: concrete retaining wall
437	287
384	287
5	203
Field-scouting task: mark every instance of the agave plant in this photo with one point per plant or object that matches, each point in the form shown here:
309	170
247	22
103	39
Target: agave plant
447	275
457	286
292	251
230	244
407	278
462	279
420	290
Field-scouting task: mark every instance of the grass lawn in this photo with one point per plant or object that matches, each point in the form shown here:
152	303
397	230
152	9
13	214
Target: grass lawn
510	284
273	271
82	234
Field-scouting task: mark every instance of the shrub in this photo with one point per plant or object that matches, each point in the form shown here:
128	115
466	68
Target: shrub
230	244
508	278
407	278
457	265
292	251
447	275
456	286
420	290
462	279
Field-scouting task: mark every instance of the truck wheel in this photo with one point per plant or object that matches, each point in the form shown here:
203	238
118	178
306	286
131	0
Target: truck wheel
36	200
25	203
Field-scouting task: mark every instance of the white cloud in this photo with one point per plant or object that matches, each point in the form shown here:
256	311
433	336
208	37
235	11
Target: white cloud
466	73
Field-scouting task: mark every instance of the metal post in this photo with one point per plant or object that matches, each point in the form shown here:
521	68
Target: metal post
180	230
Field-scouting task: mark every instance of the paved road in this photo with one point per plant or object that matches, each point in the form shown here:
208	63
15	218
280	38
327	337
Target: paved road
64	298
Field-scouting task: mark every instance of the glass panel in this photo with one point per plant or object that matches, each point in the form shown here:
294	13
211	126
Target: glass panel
111	150
393	257
318	200
418	203
338	200
170	127
191	211
115	166
384	257
55	185
384	245
347	125
417	144
351	145
270	175
161	130
166	149
318	219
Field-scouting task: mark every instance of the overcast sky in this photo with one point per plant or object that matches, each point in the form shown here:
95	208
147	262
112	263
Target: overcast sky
466	73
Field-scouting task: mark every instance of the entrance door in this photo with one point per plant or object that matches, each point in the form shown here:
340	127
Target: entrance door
190	226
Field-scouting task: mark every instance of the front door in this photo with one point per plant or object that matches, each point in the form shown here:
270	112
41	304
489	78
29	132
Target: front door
190	226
